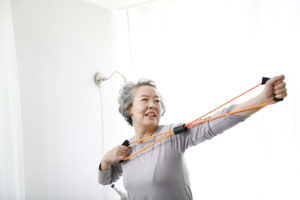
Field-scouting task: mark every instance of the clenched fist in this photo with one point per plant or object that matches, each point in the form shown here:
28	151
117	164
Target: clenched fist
275	87
114	155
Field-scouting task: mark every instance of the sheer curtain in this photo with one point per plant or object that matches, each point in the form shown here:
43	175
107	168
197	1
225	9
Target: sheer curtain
11	145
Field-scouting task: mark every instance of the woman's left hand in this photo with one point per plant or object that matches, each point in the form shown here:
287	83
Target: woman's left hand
274	87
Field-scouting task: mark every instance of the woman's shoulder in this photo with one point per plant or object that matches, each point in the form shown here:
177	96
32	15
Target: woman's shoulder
171	126
160	129
167	127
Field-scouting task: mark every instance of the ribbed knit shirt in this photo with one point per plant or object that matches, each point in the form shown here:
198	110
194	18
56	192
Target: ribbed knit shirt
160	173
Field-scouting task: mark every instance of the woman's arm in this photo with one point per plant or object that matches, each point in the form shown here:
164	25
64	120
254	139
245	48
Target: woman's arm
208	130
274	87
110	169
114	155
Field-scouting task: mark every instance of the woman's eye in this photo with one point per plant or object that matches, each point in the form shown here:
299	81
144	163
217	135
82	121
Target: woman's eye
143	99
157	100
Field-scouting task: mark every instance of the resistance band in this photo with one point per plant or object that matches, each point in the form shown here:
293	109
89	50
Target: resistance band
184	127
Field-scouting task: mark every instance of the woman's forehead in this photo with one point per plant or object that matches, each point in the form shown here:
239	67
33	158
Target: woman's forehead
146	90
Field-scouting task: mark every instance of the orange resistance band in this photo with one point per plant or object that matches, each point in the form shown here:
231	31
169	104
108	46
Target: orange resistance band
197	122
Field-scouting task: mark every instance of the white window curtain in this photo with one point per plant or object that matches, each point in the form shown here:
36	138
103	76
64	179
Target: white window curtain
11	142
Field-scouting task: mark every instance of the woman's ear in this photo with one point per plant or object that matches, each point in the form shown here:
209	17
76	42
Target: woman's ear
128	109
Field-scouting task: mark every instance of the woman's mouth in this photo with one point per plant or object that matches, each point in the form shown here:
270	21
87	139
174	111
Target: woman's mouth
150	114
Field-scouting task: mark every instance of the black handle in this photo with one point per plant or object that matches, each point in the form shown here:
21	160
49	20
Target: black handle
179	129
125	143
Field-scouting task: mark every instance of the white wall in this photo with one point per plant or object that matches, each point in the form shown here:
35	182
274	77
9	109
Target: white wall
209	51
60	45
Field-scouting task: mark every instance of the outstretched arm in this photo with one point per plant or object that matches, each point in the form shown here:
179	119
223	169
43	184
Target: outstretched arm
273	87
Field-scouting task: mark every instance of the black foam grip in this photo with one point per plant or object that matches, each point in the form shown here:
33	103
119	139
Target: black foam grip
180	129
125	143
276	99
264	80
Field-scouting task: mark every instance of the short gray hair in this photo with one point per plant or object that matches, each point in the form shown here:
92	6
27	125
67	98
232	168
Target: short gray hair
125	98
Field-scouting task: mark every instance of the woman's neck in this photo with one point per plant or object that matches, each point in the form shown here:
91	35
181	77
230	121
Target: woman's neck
142	131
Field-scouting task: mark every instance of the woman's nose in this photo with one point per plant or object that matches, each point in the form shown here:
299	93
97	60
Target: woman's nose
151	104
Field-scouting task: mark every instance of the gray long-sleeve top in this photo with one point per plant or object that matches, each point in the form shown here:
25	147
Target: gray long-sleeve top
159	173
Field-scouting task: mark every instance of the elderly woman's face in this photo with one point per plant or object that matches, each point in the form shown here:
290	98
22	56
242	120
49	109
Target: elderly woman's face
146	107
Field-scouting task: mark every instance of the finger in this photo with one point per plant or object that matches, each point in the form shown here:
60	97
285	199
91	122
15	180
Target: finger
275	79
124	152
281	91
281	77
277	82
125	147
121	152
279	86
117	154
121	157
281	96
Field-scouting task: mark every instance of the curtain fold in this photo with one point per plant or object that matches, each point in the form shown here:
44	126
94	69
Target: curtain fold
11	141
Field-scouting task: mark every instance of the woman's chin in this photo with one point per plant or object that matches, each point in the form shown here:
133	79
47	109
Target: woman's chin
151	122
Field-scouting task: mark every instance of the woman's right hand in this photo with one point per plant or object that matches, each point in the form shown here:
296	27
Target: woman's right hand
114	155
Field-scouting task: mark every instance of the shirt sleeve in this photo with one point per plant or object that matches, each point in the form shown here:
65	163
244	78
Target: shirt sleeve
111	175
199	133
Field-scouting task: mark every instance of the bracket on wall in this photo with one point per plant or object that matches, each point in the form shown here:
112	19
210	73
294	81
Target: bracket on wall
100	78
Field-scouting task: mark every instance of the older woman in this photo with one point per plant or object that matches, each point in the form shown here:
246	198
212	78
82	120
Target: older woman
159	173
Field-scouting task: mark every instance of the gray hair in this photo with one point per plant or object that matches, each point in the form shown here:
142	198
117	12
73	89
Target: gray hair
125	98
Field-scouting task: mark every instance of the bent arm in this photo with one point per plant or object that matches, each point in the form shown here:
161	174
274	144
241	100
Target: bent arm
110	169
110	175
104	165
